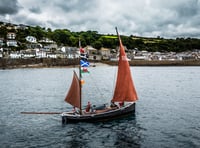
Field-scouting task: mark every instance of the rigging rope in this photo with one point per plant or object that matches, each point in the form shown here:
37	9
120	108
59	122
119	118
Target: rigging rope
115	74
96	87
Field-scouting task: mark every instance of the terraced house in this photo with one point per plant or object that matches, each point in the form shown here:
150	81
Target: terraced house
11	39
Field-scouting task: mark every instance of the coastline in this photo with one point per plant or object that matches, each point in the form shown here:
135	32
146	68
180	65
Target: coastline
47	63
159	63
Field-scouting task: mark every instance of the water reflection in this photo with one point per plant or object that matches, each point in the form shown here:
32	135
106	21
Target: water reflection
118	133
75	137
127	133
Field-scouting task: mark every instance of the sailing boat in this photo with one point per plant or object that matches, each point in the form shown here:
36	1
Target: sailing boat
124	94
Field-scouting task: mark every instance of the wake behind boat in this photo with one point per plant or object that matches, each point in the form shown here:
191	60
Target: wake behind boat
124	94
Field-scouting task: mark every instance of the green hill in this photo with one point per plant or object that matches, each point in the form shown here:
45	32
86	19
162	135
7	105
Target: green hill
67	38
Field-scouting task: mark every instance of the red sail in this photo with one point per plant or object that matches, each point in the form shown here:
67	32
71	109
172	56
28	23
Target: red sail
124	89
73	96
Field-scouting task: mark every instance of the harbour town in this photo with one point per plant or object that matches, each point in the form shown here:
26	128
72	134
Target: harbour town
21	49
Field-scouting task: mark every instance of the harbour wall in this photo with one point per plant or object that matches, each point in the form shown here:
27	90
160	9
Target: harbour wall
49	62
36	63
159	63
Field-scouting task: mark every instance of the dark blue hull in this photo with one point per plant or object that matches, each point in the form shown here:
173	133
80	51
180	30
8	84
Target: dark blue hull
99	117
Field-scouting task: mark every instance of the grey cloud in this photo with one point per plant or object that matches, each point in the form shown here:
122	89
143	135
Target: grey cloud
75	5
34	22
57	25
27	20
35	10
8	7
188	9
144	18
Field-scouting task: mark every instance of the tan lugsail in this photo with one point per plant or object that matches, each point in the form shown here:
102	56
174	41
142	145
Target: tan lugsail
73	96
124	89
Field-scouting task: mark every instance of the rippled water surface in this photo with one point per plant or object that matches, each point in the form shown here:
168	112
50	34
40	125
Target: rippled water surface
167	112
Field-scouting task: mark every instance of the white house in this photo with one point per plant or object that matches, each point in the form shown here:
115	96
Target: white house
11	43
105	51
1	41
51	55
90	50
140	57
31	39
11	39
15	55
46	40
11	35
41	53
50	46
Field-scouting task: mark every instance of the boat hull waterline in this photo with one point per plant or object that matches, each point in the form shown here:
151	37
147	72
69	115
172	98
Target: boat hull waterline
69	117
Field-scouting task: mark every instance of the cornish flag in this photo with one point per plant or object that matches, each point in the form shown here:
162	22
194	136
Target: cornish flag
84	63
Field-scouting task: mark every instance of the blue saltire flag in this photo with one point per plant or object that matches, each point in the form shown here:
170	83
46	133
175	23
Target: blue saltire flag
84	63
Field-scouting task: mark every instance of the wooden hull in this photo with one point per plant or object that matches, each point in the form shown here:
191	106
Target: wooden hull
99	117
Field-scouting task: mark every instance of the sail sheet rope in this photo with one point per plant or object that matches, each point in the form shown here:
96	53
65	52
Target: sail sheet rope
115	76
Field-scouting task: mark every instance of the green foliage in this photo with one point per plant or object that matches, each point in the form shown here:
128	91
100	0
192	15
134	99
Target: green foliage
97	44
93	38
3	32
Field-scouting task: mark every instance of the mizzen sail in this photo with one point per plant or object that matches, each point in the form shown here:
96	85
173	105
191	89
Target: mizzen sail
124	89
73	96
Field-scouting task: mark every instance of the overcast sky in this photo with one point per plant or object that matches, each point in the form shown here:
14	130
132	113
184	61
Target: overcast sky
149	18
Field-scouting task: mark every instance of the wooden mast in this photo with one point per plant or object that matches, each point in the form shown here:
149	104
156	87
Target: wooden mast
117	34
80	77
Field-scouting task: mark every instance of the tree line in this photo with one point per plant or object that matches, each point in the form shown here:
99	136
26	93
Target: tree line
65	37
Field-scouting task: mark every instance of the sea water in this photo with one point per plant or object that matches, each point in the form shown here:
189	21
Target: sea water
167	112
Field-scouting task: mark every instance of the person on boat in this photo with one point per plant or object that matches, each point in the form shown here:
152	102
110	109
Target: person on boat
88	107
113	105
93	108
121	104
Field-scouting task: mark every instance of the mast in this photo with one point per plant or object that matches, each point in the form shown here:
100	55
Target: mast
80	77
119	42
80	89
117	34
